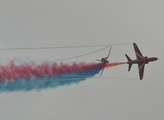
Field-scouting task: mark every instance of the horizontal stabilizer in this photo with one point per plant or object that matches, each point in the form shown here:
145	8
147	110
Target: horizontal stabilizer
98	60
128	58
130	65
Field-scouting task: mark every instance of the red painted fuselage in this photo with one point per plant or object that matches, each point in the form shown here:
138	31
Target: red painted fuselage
146	60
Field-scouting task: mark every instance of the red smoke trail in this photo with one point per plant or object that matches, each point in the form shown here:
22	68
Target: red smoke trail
28	71
114	64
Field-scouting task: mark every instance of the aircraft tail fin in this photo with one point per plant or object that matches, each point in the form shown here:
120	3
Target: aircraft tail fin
130	65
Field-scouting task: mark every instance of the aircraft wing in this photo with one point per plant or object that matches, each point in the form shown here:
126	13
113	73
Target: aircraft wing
138	53
102	70
141	69
109	52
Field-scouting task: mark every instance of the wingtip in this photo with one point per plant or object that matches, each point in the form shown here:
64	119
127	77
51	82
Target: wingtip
141	77
134	44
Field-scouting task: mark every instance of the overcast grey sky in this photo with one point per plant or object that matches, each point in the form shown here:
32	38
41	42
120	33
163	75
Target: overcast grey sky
39	23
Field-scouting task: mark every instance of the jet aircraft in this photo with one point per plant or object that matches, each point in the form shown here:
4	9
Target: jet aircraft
141	61
105	60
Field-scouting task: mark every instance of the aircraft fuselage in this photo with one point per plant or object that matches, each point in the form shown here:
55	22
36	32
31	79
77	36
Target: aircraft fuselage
104	60
146	60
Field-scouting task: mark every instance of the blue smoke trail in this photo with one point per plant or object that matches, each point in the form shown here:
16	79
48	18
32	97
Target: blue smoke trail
43	83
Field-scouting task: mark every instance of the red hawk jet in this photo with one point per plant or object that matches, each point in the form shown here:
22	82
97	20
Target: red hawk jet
104	61
141	61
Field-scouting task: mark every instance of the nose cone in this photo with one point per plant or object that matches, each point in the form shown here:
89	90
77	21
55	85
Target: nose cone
155	58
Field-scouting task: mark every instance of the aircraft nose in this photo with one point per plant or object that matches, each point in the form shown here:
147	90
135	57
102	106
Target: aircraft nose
156	58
